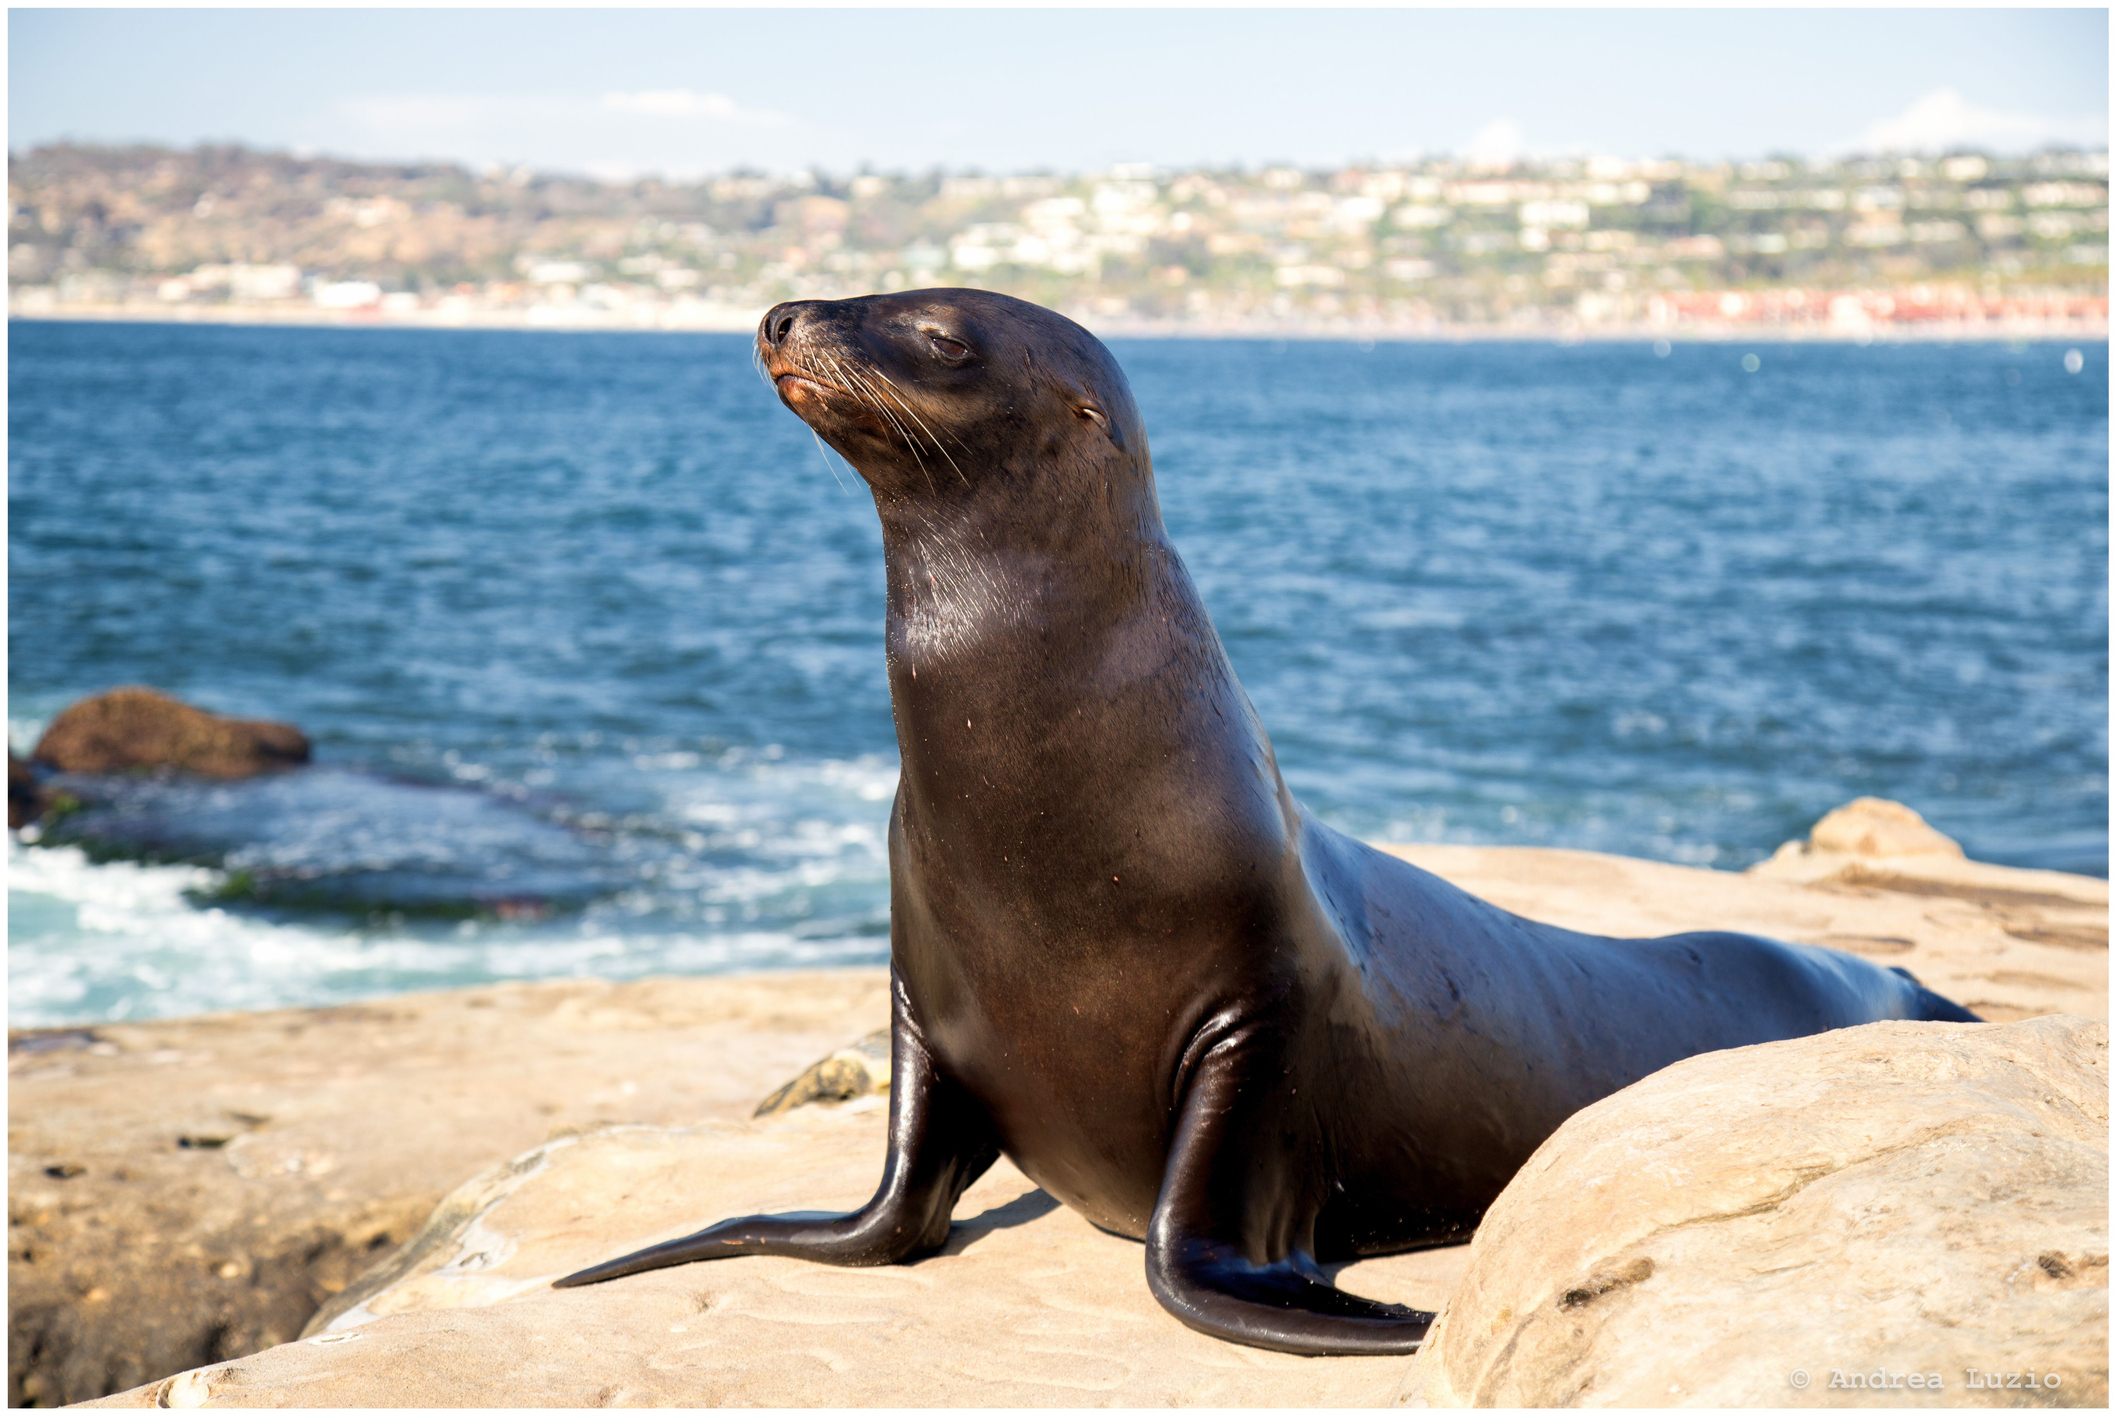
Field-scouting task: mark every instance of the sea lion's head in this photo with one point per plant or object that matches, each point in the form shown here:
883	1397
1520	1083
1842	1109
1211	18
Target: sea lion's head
930	392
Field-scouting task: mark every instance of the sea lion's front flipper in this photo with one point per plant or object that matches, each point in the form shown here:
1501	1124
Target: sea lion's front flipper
1227	1251
939	1143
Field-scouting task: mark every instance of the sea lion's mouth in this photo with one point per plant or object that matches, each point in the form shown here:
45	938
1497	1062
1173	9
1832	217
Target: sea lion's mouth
793	378
789	374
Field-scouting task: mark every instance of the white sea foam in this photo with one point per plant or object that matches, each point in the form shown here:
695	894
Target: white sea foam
121	940
22	734
783	864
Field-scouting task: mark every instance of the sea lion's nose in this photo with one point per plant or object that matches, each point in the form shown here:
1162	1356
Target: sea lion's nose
779	322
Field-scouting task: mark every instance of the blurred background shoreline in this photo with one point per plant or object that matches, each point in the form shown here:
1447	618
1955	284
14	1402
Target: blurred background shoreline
1966	245
2057	326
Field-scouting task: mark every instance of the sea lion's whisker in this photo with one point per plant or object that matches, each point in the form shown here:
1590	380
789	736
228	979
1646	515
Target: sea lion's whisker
893	387
866	395
867	391
912	414
874	400
913	442
824	453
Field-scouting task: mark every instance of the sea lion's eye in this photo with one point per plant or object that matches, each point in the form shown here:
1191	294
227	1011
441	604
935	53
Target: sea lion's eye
949	348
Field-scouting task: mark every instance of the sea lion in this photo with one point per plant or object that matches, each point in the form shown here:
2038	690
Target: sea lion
1121	953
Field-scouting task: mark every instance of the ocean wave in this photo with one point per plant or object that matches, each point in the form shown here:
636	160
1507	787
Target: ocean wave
759	863
118	941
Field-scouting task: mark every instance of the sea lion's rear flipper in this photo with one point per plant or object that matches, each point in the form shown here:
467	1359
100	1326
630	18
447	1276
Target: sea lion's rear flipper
939	1143
1930	1006
1219	1253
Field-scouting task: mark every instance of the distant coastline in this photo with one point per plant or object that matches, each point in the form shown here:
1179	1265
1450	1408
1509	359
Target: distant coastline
733	321
1885	246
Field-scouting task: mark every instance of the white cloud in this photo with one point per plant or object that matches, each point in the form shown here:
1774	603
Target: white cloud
1944	119
687	103
1497	144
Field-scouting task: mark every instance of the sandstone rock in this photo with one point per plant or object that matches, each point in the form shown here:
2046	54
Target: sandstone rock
1912	1197
190	1191
861	1069
1028	1304
1873	826
1866	828
130	728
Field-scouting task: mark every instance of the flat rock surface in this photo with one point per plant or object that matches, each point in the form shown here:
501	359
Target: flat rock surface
324	1138
1761	1226
185	1191
1028	1305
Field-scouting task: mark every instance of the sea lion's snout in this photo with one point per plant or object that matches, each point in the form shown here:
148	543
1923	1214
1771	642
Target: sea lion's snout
779	323
801	374
777	343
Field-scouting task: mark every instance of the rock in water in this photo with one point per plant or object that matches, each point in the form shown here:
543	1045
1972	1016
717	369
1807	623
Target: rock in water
1773	1225
130	728
327	838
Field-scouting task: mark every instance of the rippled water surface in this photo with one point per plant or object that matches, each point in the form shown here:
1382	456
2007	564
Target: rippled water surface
588	632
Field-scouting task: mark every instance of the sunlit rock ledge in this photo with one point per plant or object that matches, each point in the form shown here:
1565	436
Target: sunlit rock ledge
1895	1214
186	1193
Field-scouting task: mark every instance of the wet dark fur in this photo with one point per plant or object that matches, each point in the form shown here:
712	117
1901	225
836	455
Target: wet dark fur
1123	955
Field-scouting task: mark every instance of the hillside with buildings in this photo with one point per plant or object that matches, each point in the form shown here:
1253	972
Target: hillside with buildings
1960	244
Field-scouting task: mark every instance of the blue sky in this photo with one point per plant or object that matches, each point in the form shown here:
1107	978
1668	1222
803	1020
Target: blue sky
688	91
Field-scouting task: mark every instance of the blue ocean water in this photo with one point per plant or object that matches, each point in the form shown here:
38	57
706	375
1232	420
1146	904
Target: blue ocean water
587	629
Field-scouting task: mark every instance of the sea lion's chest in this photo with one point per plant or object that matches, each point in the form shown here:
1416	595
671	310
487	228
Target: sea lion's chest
1074	1067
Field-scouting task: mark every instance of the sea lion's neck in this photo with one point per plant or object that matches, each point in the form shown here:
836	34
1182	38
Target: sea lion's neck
979	585
1062	663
